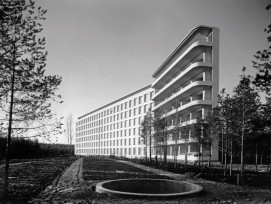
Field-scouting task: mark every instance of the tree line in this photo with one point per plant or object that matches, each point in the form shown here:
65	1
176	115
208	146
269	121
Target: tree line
24	148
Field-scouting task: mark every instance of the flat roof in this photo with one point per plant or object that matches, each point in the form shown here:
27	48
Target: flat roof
182	42
122	98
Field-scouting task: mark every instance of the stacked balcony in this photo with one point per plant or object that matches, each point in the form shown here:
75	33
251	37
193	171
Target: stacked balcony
184	83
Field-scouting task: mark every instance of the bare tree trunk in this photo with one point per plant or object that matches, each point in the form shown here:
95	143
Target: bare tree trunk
242	143
150	136
185	156
175	153
202	159
222	149
9	126
261	157
231	157
256	158
210	155
199	154
225	156
165	149
225	159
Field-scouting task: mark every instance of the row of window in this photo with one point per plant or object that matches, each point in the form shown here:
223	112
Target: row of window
113	151
171	150
120	133
109	143
115	118
123	124
116	109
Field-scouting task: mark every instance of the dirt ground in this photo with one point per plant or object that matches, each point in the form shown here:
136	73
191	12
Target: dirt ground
81	192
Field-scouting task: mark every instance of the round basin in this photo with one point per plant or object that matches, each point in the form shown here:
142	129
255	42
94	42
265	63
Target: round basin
147	188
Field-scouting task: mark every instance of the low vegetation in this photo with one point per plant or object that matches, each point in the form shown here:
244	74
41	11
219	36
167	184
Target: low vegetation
27	180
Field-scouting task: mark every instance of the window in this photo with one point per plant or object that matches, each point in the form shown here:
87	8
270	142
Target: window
125	105
134	111
139	99
130	113
130	103
139	110
145	98
145	108
135	102
151	95
151	106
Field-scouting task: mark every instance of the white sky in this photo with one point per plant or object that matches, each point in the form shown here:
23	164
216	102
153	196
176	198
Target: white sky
105	49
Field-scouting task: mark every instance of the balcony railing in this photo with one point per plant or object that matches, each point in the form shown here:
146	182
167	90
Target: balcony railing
178	75
198	37
181	91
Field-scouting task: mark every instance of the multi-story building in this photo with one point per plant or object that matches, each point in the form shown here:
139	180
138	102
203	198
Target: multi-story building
114	129
185	87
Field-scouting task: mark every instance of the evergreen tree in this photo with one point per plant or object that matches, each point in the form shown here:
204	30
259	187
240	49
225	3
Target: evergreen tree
26	92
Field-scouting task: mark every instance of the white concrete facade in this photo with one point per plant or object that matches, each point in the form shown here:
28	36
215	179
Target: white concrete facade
114	129
185	86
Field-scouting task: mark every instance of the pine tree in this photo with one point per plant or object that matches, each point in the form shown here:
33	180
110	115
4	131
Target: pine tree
26	92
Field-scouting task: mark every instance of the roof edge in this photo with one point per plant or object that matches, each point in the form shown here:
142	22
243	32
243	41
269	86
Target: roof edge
126	96
175	50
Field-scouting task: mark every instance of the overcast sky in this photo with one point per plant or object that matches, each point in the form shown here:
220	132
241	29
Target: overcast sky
105	49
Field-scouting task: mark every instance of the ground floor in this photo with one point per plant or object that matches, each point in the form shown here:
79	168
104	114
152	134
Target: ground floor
180	151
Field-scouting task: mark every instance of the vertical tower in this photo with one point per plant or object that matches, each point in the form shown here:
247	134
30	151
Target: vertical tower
186	88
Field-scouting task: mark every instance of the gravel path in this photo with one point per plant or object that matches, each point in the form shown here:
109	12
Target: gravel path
69	182
72	176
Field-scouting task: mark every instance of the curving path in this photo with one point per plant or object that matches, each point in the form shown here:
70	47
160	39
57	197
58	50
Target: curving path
156	171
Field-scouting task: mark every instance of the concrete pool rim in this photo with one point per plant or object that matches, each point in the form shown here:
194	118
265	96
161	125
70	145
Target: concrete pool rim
195	188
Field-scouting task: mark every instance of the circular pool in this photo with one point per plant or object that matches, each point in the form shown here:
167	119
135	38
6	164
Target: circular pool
147	188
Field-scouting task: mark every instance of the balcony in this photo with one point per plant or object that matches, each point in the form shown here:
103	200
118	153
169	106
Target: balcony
191	105
192	50
192	70
183	93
